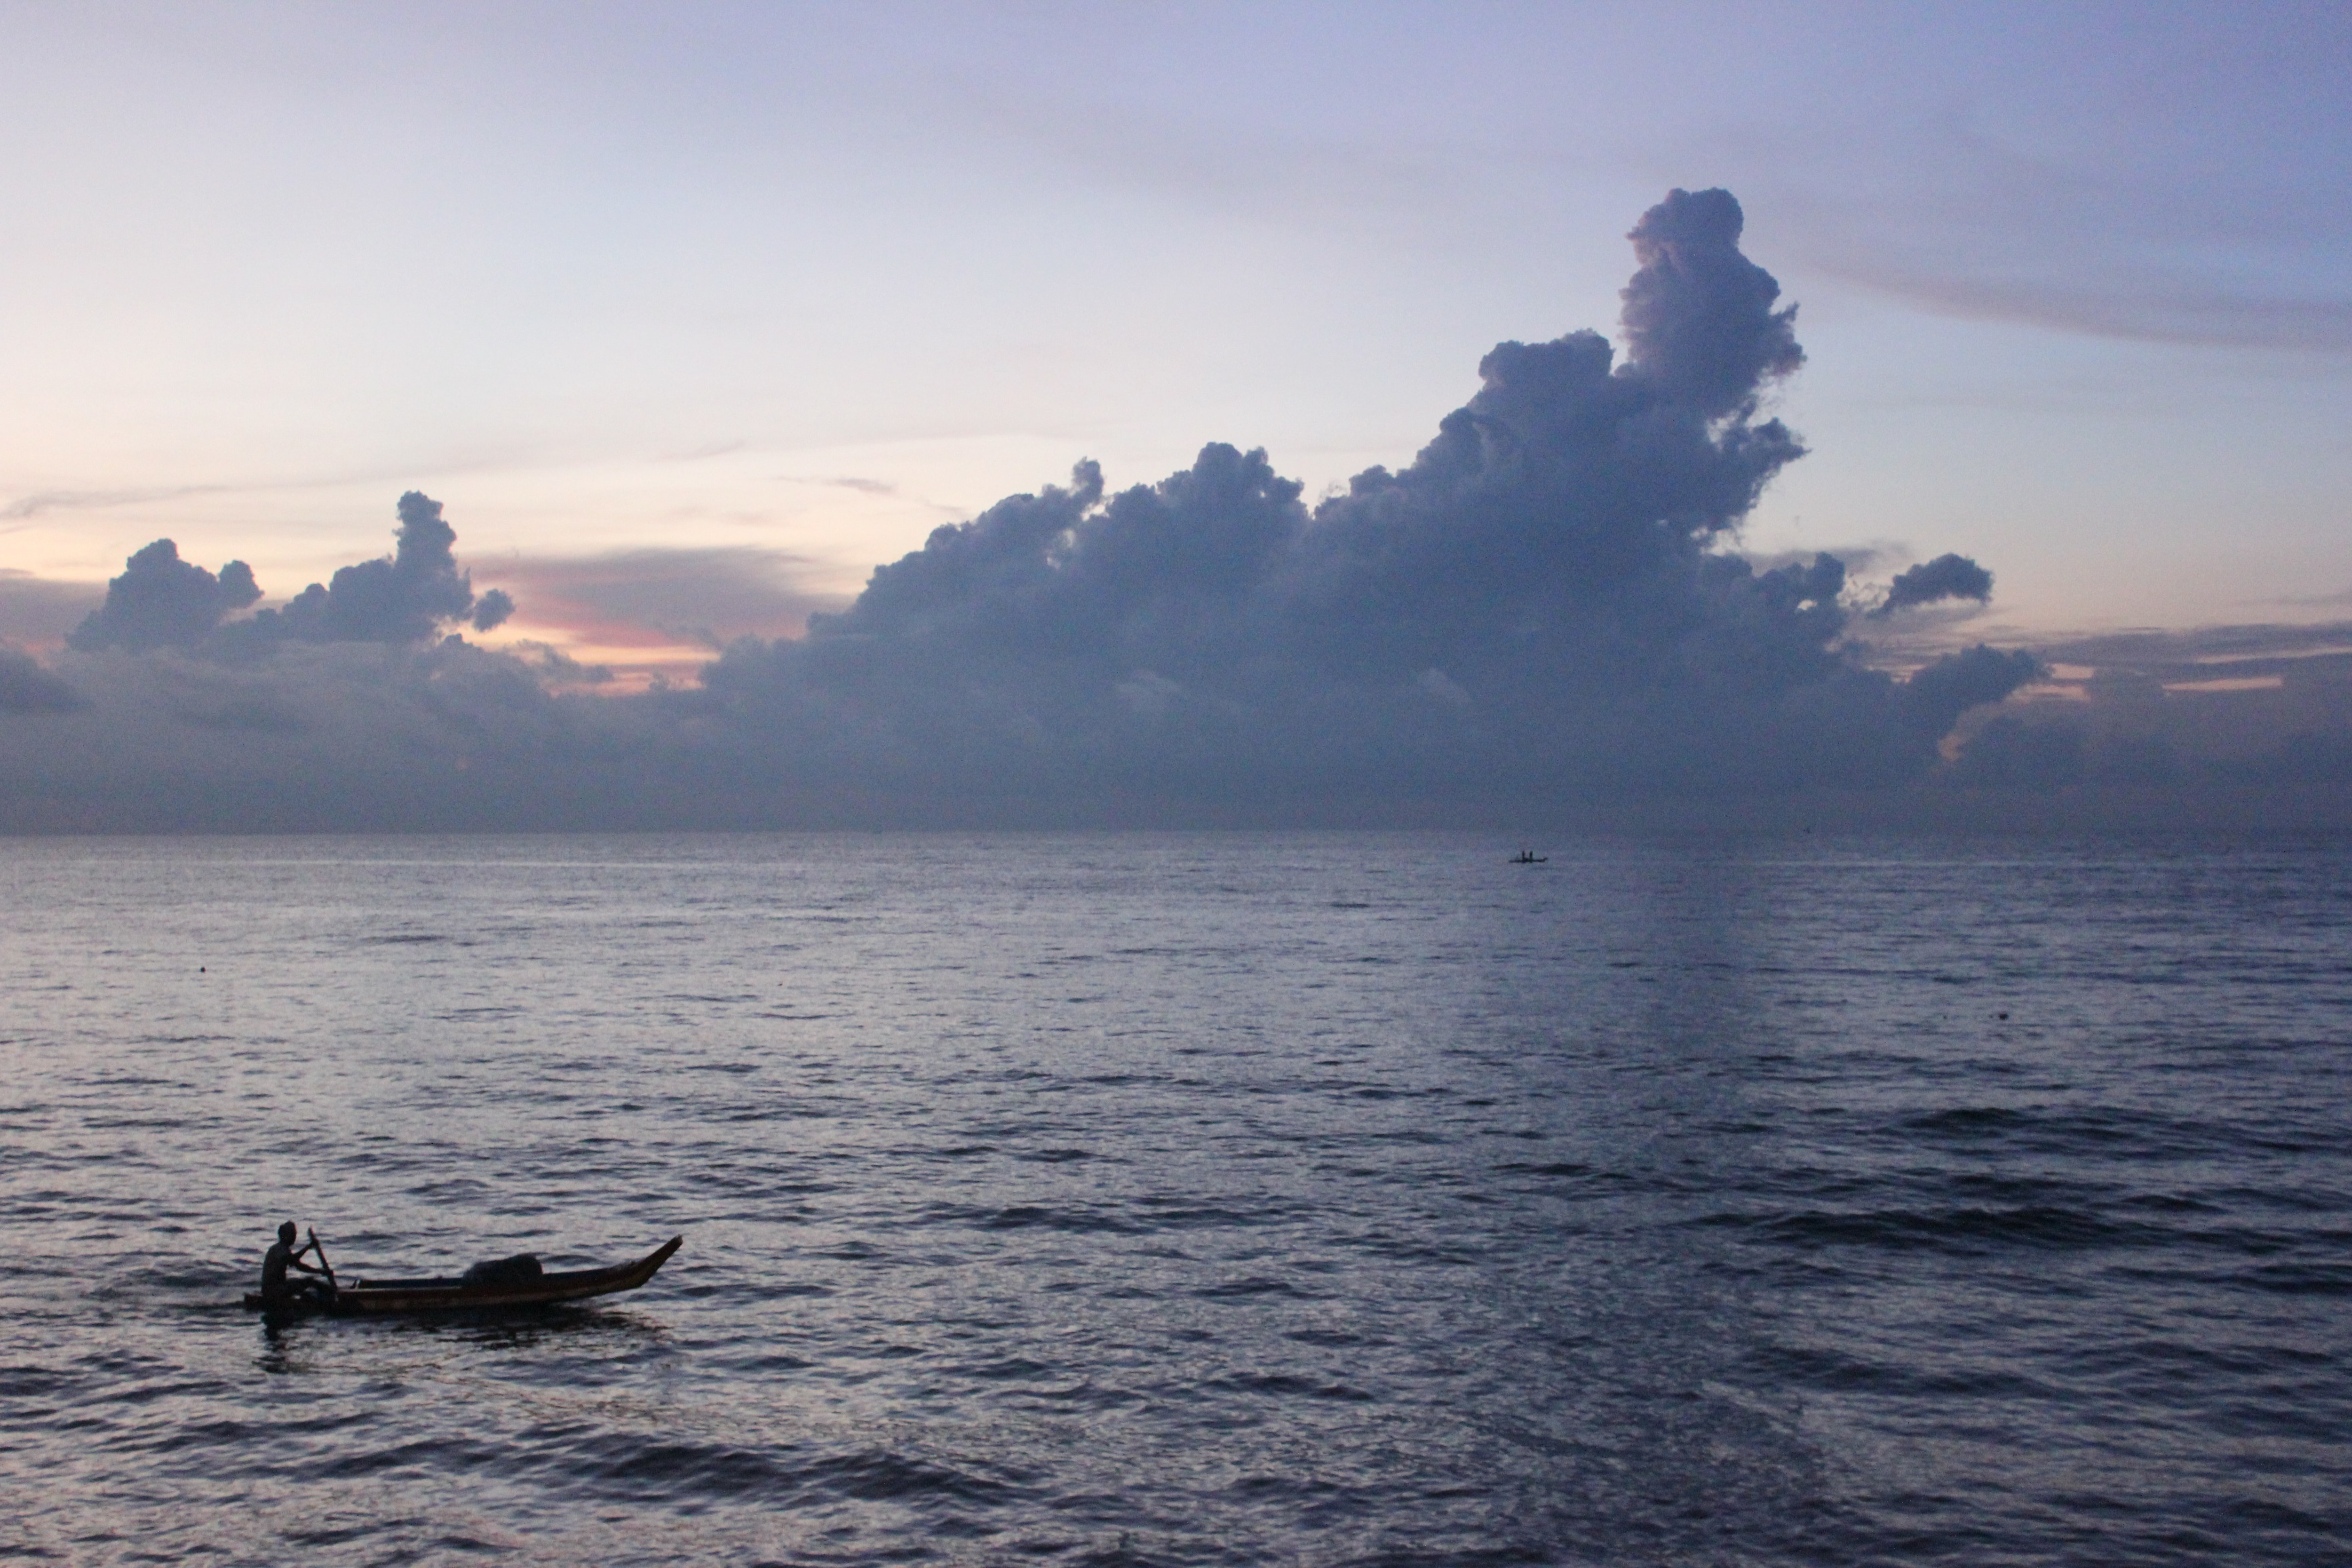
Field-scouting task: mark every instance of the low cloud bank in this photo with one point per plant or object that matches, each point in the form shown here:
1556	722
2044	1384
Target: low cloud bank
1539	616
2250	707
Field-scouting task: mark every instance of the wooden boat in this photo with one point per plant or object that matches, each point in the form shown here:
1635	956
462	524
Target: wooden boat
362	1298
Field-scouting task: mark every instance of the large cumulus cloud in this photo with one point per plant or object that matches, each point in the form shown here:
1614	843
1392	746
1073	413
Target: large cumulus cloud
1538	610
1531	610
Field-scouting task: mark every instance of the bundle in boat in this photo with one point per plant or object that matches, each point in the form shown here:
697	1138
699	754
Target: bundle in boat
522	1268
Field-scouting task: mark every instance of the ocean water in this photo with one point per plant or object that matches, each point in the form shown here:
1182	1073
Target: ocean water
1189	1199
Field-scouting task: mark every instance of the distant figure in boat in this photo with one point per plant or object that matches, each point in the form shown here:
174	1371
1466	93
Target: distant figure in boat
1529	858
275	1288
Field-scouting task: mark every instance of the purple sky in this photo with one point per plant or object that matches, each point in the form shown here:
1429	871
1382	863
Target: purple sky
690	318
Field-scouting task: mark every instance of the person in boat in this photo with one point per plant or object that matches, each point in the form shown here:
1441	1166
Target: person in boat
275	1288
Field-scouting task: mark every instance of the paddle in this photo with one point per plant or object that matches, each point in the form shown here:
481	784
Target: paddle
321	1251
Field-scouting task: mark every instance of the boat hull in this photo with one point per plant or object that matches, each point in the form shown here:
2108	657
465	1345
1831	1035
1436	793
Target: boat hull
399	1296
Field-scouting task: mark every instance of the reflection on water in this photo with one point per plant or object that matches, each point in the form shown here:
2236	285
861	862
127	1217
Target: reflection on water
581	1330
1196	1199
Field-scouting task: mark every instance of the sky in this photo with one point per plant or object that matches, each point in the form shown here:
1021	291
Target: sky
690	321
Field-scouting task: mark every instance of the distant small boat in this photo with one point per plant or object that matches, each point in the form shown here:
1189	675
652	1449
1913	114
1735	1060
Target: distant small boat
366	1298
1529	858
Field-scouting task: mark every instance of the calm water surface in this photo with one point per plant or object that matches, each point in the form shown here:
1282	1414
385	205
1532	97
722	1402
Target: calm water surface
1218	1199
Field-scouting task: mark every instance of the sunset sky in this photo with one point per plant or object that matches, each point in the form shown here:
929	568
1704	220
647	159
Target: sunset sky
773	291
690	317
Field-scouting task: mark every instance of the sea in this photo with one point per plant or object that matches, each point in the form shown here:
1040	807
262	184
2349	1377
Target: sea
1284	1198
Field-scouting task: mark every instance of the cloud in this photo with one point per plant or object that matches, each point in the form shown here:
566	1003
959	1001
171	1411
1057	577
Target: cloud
1543	611
41	610
2343	597
2263	647
1994	233
1858	558
404	598
1945	577
1937	695
161	601
2261	707
559	669
1535	608
26	688
655	596
491	610
26	508
1698	314
2159	311
342	736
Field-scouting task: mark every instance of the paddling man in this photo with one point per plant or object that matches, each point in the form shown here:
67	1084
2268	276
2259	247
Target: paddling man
275	1290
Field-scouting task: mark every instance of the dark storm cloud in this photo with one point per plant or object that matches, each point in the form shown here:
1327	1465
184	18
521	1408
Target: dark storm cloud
1931	582
1538	613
